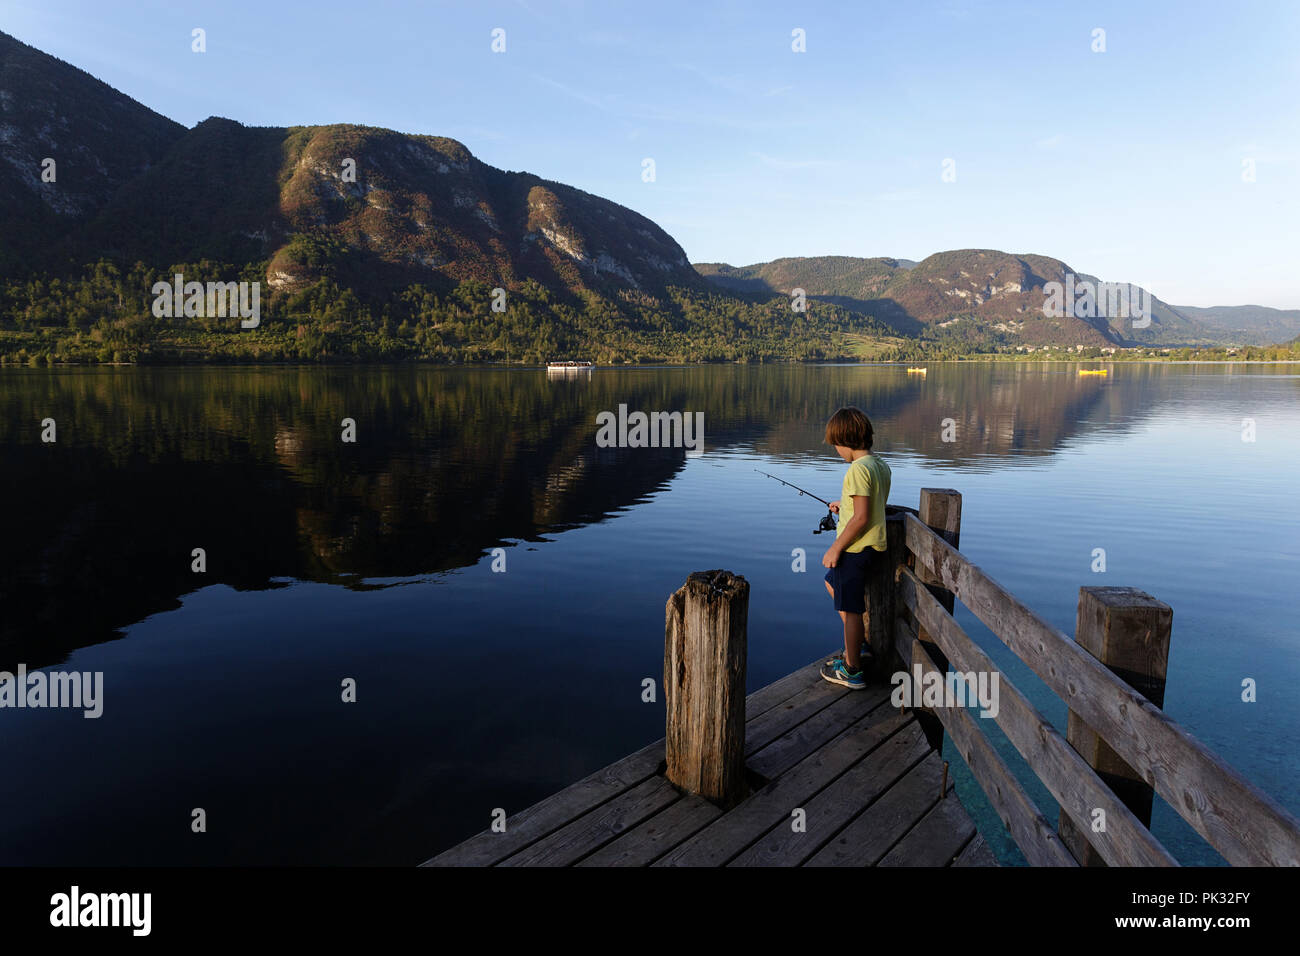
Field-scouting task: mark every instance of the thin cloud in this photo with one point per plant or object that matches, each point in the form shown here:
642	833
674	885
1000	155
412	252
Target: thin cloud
778	163
659	114
582	96
604	38
731	82
725	120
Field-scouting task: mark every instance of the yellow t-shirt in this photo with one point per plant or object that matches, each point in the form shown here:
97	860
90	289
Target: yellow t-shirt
867	476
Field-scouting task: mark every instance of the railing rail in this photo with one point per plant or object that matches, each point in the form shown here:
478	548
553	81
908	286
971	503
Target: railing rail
1075	785
1031	830
1241	822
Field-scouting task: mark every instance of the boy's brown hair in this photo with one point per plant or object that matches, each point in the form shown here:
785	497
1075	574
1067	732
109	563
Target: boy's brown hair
849	427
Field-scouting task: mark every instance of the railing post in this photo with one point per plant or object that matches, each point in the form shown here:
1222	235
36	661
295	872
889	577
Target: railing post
1127	630
940	511
704	685
880	600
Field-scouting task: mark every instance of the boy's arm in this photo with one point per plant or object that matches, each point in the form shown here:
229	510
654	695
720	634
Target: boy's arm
857	524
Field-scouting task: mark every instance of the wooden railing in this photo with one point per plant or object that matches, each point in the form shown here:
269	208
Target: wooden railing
1119	746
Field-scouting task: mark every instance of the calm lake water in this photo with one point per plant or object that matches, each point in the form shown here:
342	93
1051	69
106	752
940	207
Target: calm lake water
475	690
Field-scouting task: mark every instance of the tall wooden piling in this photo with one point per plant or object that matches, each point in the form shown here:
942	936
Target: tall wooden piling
940	511
1127	630
880	599
704	685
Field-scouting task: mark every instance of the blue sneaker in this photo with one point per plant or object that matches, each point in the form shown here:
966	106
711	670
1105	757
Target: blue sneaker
837	672
864	654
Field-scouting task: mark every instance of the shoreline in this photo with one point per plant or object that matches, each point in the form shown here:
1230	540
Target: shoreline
498	366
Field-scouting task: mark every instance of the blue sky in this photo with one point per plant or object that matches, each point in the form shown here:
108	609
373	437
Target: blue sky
1126	164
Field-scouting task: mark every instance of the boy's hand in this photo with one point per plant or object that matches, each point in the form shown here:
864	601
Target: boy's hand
831	556
835	506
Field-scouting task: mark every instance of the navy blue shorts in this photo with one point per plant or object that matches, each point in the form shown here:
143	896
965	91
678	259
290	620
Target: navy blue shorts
848	579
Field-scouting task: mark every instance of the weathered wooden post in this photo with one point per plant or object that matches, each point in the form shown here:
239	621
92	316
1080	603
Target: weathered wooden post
1127	630
704	685
940	511
880	603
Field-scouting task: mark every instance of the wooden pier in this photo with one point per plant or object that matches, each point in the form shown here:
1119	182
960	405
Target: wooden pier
864	775
807	773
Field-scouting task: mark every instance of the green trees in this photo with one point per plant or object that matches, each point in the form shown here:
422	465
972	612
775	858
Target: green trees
103	313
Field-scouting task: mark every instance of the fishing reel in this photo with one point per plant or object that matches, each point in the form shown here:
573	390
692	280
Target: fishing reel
828	520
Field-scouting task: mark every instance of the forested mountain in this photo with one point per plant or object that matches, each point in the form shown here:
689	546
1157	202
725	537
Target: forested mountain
67	144
368	243
1247	324
391	208
383	210
859	280
986	298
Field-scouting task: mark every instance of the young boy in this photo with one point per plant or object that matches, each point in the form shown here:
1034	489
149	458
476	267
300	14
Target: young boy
858	539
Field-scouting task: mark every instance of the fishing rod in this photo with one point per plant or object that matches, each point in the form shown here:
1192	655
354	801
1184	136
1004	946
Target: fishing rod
828	520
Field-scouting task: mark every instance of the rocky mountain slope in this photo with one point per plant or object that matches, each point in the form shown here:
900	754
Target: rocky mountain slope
381	207
355	229
68	143
984	296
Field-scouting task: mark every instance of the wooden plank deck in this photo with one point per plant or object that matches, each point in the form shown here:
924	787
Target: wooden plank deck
861	771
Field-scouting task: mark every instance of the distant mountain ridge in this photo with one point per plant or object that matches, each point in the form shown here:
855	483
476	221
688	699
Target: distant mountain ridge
361	231
1249	324
131	184
989	296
